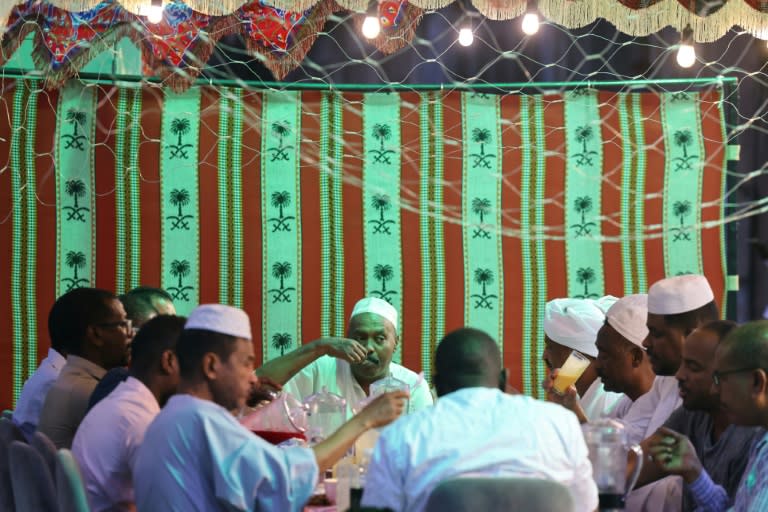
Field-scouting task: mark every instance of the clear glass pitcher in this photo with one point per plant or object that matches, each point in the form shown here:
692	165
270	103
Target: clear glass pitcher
608	448
326	412
279	420
388	384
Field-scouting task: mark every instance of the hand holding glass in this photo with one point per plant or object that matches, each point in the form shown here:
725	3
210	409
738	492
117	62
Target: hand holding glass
570	372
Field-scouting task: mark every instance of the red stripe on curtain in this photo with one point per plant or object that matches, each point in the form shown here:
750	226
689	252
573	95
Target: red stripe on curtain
654	185
411	230
251	210
208	179
149	186
511	245
311	265
613	164
554	193
6	235
104	163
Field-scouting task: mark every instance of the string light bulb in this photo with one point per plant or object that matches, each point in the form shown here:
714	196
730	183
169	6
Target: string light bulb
686	53
371	25
153	12
466	37
530	23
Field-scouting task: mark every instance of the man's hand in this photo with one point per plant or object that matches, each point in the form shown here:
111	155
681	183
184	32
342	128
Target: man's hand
674	454
384	409
264	391
343	348
568	399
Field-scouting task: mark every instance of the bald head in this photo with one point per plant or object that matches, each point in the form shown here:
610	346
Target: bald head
746	346
466	358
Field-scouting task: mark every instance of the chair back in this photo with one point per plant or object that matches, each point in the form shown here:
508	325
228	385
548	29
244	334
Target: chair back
504	493
70	489
9	433
31	479
45	447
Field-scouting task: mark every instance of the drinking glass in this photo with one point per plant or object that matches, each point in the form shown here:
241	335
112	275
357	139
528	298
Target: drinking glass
570	372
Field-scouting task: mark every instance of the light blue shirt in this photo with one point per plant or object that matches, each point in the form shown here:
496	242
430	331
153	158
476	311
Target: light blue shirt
197	457
30	403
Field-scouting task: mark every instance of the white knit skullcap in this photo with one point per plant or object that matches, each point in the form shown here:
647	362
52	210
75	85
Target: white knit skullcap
377	306
574	323
220	318
679	294
628	317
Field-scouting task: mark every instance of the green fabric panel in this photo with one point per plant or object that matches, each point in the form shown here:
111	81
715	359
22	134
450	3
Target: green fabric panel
525	241
639	217
180	198
540	281
31	200
438	139
481	209
223	173
120	170
134	175
236	205
381	202
684	152
628	152
427	237
584	173
75	198
336	175
281	236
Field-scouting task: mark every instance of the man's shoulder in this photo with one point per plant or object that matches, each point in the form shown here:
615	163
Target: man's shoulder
401	372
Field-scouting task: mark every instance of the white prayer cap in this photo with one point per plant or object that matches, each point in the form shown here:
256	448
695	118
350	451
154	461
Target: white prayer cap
220	318
574	323
378	306
628	317
679	294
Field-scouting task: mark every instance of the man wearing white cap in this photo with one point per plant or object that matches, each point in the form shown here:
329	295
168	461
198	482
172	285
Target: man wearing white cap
676	306
572	324
196	456
348	366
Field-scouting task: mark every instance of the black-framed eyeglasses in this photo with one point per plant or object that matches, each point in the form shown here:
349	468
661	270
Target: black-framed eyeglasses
125	325
716	375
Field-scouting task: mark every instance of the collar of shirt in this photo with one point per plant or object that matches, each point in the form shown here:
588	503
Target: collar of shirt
135	391
55	359
79	365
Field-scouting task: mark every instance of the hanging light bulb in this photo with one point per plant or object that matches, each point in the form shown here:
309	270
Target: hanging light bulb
686	53
371	26
153	12
466	37
530	23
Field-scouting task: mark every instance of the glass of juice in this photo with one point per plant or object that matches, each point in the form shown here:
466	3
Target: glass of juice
570	372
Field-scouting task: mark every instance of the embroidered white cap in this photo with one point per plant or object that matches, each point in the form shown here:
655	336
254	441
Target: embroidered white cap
679	294
628	317
574	323
378	306
220	318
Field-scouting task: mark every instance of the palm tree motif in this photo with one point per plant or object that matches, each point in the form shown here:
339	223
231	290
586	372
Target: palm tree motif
281	270
180	269
583	205
180	126
683	139
381	202
180	198
382	132
481	206
281	200
483	277
281	341
75	189
586	276
584	134
481	136
74	260
383	273
280	129
681	209
75	140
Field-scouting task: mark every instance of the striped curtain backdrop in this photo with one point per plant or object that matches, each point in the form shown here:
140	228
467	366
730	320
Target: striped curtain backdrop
459	208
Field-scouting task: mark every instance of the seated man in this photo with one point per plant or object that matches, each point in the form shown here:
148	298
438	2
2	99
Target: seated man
722	446
572	324
99	334
476	429
196	456
348	367
109	437
741	377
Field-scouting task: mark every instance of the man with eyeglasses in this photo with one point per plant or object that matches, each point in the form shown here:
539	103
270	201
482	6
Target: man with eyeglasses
741	378
99	335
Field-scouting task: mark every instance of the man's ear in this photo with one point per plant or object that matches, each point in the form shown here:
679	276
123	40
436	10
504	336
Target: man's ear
168	362
210	366
397	340
759	382
637	356
93	333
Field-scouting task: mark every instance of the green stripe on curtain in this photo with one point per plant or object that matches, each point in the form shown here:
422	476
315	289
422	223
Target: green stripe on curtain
684	152
179	198
730	162
230	196
24	229
381	202
540	270
636	118
526	207
629	150
481	196
75	198
584	173
281	236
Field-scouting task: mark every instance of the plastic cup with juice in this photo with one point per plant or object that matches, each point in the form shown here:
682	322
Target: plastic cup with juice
570	372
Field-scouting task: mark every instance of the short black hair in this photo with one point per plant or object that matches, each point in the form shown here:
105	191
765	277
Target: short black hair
693	319
159	334
195	343
139	302
747	345
721	328
466	357
71	315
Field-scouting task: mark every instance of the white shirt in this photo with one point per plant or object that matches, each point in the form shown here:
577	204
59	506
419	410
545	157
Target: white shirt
107	442
30	402
597	402
645	415
478	432
336	376
197	457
